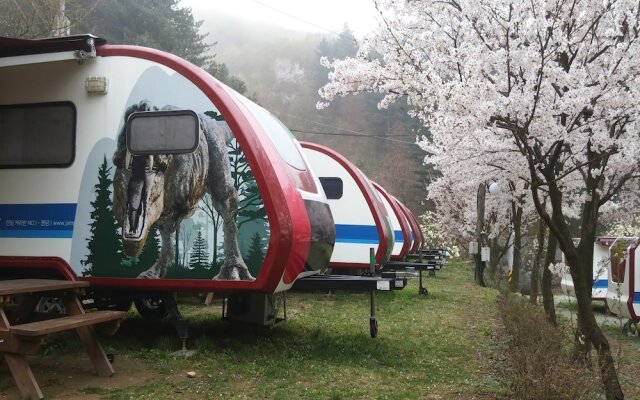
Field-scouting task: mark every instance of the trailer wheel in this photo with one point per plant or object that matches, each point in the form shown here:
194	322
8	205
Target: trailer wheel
424	291
152	308
373	327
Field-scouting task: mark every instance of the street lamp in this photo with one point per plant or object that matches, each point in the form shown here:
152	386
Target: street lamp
494	188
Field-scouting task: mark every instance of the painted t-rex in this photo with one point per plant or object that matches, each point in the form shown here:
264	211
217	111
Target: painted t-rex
164	189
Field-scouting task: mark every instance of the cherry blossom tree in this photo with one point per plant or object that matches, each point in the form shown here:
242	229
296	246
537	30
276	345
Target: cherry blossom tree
468	168
550	88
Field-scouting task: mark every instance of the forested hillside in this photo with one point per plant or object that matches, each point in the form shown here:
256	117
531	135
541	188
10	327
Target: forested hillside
282	71
278	68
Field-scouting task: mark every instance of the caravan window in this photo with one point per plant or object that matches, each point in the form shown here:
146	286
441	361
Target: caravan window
279	134
332	187
37	135
618	264
162	132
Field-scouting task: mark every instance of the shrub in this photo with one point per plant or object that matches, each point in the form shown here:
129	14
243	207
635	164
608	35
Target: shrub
538	356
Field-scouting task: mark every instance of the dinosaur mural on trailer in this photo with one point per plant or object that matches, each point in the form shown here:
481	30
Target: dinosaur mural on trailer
162	190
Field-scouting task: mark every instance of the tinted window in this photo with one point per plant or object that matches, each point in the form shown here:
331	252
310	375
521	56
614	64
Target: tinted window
332	187
162	132
37	135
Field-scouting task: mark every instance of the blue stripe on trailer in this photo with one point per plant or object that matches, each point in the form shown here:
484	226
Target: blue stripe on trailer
636	298
600	284
37	220
397	236
357	234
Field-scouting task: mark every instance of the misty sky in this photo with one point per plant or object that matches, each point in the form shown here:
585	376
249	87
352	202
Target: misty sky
303	15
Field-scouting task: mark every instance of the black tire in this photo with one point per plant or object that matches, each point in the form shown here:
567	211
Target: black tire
51	306
112	301
424	291
152	308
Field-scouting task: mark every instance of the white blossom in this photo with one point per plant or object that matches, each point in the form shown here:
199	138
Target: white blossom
488	77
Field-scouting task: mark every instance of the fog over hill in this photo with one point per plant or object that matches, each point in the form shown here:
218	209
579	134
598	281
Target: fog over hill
282	71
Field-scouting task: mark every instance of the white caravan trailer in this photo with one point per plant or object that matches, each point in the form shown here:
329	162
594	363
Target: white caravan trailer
416	233
400	226
107	150
409	236
623	294
601	249
360	217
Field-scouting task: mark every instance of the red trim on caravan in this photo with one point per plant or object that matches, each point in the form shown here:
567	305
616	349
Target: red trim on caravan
369	197
417	235
289	242
415	219
30	263
403	226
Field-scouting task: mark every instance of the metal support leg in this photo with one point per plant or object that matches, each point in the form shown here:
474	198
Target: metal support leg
373	322
284	304
224	307
422	289
178	321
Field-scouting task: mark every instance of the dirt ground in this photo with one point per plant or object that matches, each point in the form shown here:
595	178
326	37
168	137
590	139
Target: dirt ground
72	377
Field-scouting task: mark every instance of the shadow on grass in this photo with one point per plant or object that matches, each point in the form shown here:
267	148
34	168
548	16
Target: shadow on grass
212	337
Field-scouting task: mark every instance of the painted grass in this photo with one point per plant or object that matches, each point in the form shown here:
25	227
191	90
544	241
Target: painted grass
435	346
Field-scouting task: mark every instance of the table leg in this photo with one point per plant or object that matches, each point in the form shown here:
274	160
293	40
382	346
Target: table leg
23	376
88	337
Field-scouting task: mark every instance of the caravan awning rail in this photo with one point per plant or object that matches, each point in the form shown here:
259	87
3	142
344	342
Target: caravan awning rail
30	51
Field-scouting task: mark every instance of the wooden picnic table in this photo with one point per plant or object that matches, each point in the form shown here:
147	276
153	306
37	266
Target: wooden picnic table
19	297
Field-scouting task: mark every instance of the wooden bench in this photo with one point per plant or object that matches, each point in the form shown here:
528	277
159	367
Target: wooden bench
49	326
17	341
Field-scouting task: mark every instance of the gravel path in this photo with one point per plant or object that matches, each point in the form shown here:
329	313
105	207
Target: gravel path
602	318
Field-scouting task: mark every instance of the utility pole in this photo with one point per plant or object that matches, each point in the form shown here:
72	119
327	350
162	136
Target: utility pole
479	270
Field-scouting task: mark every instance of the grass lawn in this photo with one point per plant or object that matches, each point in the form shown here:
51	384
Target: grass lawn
429	347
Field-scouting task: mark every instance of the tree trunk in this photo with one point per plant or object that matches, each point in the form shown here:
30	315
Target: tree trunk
493	262
580	257
535	271
514	281
547	293
589	332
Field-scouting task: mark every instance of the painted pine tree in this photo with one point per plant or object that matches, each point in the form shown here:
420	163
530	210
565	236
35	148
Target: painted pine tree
105	248
255	255
206	205
199	258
